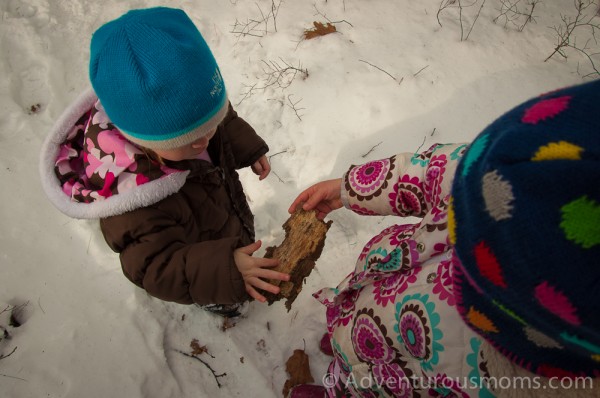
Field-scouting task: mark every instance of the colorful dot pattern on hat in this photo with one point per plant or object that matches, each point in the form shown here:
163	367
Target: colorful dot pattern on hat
556	302
481	321
475	151
488	264
581	221
525	225
545	109
451	223
558	150
498	195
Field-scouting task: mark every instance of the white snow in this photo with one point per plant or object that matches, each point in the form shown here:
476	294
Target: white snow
390	80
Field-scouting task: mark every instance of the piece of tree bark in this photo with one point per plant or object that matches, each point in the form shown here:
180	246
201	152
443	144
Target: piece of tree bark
301	248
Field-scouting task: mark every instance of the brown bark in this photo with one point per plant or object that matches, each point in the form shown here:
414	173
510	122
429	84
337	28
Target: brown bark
301	248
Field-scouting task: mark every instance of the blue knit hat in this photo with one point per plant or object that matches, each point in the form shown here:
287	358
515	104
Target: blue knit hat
156	78
525	224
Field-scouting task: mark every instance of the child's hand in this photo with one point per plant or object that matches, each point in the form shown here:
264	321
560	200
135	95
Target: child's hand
253	272
261	167
323	196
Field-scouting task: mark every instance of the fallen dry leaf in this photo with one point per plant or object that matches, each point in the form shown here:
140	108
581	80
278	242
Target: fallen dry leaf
319	30
298	367
228	323
197	349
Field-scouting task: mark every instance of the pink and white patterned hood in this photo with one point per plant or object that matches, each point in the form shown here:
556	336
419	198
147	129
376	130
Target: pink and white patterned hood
89	170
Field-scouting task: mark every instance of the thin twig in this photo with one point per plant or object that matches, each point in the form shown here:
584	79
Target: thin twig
248	93
275	154
277	76
293	106
215	375
474	21
565	33
6	356
460	8
329	20
377	67
258	27
421	70
442	8
40	305
12	377
459	4
263	18
420	146
277	175
511	13
371	150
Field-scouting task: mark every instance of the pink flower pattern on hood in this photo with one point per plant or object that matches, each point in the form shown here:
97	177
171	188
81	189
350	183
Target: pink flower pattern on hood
96	161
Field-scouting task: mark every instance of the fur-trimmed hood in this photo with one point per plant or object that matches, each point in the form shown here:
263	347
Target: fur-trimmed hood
89	170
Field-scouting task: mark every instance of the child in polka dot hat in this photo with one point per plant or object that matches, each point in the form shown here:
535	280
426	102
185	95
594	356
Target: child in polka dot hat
526	204
495	290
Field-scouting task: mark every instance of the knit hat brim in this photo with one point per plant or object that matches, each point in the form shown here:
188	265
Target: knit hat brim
179	139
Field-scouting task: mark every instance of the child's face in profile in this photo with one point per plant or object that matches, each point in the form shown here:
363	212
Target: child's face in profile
190	151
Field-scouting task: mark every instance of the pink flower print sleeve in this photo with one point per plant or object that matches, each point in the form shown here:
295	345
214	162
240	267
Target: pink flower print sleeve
404	185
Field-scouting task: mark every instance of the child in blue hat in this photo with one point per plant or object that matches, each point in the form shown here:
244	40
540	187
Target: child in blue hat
496	290
152	151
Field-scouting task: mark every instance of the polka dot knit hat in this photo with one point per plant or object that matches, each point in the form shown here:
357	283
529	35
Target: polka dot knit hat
157	78
525	225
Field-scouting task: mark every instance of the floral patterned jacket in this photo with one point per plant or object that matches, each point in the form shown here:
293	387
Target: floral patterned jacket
392	321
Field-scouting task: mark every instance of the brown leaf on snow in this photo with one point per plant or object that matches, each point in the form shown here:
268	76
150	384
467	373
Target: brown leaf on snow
298	367
197	349
319	30
228	323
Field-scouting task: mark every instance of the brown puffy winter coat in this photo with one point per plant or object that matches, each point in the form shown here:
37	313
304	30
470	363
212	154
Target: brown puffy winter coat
174	225
181	248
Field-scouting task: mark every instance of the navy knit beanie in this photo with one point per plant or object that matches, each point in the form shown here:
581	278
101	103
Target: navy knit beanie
525	224
156	78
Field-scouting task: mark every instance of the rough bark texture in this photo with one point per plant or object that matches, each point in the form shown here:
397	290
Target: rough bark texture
302	246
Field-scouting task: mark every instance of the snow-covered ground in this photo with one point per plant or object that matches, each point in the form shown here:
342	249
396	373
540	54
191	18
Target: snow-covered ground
390	80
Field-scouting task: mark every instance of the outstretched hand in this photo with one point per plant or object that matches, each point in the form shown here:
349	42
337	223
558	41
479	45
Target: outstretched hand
253	271
324	196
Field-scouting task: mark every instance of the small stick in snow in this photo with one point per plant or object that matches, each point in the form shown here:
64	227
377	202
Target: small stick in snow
421	70
9	354
420	146
371	150
275	154
40	305
377	67
12	377
215	375
293	106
